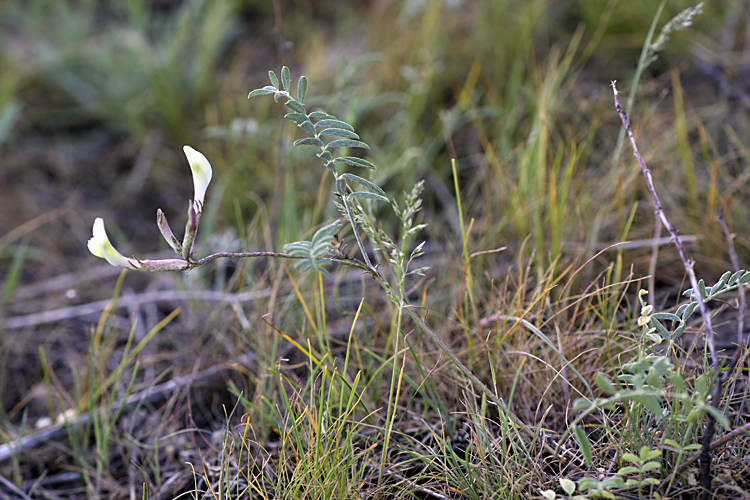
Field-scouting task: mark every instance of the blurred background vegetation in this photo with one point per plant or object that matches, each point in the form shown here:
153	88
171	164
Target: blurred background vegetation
98	97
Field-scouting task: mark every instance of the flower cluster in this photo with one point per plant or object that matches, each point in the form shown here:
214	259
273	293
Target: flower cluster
101	247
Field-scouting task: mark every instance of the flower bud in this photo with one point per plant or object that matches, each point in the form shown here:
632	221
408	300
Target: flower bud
166	232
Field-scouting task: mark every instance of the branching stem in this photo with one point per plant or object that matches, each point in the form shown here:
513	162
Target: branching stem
705	470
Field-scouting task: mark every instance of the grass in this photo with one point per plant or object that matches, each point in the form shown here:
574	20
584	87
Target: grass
276	383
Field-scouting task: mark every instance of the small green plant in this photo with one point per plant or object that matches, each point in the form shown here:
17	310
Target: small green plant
651	398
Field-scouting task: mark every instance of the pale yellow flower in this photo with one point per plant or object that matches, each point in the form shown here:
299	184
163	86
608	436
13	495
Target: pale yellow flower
100	246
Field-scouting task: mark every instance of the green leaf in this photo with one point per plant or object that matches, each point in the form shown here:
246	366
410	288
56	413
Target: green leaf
719	416
588	483
298	248
680	330
308	141
604	383
672	443
666	316
364	182
263	91
628	470
347	143
679	383
319	115
702	288
299	108
307	126
332	123
584	443
722	281
297	117
649	466
651	402
689	311
325	155
660	328
312	251
613	482
321	240
581	404
302	89
369	196
567	485
278	95
355	162
548	494
338	132
735	277
286	78
274	79
629	457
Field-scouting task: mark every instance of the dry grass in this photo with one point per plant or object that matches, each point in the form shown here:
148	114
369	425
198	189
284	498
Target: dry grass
235	391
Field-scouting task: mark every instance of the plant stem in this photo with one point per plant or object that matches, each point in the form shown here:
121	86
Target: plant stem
705	469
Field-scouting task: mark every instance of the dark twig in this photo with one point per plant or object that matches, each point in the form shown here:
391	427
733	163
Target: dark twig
705	469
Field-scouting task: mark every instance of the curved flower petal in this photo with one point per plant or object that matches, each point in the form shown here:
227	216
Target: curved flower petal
201	172
100	246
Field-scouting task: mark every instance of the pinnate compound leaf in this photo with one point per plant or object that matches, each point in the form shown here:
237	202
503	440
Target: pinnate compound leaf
274	79
308	141
363	195
302	89
321	240
286	78
355	162
297	117
331	123
264	91
298	248
347	143
363	182
299	108
338	132
312	251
